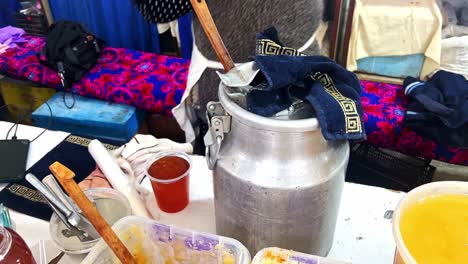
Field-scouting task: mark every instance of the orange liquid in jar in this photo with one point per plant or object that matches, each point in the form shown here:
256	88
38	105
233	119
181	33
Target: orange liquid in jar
13	249
435	229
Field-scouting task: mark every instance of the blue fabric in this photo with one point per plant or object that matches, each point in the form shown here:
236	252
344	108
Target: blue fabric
332	91
118	22
394	66
7	9
260	102
438	109
186	36
384	108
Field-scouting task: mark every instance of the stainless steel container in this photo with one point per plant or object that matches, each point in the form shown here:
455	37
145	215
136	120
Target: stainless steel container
276	183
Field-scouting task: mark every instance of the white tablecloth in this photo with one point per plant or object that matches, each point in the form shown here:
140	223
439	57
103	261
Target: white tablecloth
362	235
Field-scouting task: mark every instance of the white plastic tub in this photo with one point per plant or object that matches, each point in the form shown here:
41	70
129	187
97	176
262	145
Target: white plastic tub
163	242
402	254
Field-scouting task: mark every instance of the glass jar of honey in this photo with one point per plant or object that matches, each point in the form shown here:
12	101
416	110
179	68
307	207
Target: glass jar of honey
13	249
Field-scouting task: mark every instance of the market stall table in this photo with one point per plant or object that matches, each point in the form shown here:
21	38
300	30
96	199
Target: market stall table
363	232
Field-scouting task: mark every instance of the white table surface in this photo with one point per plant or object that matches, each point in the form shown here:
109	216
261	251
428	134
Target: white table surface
362	233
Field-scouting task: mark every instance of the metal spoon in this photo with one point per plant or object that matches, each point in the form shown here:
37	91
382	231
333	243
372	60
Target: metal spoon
72	218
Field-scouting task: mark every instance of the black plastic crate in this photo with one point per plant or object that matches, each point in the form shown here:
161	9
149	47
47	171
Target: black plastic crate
372	166
33	24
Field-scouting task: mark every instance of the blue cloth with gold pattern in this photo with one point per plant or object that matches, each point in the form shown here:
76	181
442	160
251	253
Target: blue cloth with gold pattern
332	91
24	198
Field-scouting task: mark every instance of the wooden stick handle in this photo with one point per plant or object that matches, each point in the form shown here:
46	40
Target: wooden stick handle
211	31
65	177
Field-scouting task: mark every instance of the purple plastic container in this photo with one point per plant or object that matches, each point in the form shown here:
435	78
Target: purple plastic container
192	246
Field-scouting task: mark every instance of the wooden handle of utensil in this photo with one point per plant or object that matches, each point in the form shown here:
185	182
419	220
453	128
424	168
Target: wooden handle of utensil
211	31
65	176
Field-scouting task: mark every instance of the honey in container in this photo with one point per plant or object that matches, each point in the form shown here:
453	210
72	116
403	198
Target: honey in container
431	225
169	175
13	249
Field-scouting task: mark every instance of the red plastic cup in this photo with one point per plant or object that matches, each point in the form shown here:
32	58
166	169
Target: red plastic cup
169	175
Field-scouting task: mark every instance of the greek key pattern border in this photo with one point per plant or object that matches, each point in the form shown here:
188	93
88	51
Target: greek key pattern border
269	47
27	193
348	106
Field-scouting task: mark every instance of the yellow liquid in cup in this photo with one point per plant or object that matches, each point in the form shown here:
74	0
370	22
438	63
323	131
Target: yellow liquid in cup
435	229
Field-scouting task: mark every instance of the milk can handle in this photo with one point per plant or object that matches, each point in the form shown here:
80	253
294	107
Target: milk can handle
219	122
212	157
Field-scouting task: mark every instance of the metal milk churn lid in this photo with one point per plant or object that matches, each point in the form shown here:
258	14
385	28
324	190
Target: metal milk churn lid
276	182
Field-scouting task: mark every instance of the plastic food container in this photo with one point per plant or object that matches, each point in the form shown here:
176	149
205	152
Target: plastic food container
153	242
115	207
402	254
275	255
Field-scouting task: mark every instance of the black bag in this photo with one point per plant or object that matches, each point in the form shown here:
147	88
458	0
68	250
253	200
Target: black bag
71	50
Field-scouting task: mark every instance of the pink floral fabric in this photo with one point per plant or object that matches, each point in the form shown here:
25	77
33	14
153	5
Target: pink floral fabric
152	82
384	107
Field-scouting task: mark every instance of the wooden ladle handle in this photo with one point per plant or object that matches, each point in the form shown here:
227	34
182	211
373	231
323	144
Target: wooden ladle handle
211	31
65	176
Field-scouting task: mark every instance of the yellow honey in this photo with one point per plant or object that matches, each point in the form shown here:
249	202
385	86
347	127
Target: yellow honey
435	229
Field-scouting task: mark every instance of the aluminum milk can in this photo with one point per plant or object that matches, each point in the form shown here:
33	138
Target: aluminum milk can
276	182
